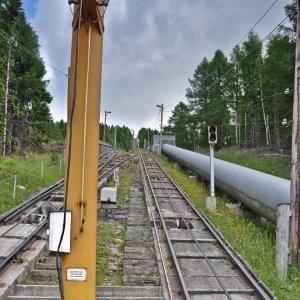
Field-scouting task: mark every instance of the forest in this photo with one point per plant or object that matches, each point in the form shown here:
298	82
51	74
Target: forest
26	123
25	118
246	94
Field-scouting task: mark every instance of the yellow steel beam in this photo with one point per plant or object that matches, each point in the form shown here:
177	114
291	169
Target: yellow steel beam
82	183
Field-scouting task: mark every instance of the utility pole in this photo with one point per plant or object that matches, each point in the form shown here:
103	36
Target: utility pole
133	142
116	128
148	138
6	96
161	125
104	131
295	174
81	174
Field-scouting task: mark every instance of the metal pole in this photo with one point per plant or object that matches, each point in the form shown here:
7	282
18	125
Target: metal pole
42	170
212	171
161	127
104	129
295	178
116	136
149	138
81	180
6	96
15	187
133	143
211	201
60	167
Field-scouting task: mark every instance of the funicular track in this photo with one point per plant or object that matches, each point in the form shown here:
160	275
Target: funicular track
25	223
204	265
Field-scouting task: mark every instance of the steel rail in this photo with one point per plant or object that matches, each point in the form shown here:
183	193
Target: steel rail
109	160
118	164
26	217
190	232
169	243
32	200
247	271
28	240
156	233
37	197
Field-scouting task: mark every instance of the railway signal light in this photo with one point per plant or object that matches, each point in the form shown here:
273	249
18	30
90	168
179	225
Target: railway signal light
212	134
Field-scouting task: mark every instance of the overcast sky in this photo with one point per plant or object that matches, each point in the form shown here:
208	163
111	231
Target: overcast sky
151	48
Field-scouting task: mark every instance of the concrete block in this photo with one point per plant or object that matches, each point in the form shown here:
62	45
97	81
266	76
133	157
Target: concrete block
232	206
211	203
109	194
194	178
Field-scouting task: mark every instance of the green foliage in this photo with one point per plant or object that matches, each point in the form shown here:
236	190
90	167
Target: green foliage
28	171
110	235
244	96
277	166
146	134
124	187
28	117
55	157
124	136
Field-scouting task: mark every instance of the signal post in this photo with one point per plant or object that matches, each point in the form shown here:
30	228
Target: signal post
211	201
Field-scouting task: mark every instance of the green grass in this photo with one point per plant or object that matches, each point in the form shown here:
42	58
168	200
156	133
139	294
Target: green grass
124	187
254	242
110	263
28	171
111	234
274	165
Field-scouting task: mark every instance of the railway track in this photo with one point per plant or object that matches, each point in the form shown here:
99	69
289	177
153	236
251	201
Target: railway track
22	225
203	264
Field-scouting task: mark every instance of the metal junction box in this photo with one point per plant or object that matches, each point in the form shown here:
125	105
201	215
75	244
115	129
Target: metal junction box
56	220
108	195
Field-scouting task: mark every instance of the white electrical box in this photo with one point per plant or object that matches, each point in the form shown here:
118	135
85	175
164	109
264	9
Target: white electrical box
56	219
108	195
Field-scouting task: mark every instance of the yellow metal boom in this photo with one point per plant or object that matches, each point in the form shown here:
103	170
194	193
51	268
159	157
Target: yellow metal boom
82	148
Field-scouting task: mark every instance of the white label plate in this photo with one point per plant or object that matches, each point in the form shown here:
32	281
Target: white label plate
76	274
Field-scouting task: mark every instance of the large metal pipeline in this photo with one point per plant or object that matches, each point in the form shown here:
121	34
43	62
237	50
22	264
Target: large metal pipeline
258	191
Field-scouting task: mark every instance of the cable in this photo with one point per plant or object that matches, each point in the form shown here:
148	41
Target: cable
265	38
232	68
170	105
156	119
29	52
58	267
201	93
257	22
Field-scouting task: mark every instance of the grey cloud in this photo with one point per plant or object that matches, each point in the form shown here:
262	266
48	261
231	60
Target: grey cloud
151	48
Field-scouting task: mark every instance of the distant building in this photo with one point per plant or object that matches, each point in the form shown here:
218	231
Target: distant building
166	139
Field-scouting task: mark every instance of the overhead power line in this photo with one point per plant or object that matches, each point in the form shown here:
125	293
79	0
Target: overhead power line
29	52
275	29
257	22
260	19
